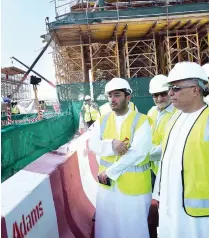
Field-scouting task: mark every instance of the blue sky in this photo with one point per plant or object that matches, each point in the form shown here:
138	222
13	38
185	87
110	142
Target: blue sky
22	24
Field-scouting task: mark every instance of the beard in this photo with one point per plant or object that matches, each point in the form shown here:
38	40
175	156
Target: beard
122	106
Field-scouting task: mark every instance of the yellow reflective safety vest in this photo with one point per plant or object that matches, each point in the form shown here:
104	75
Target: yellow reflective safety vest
137	178
132	106
104	109
195	165
158	131
90	113
15	110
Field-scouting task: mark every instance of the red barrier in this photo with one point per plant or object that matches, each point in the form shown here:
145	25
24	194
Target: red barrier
49	164
79	210
3	228
73	209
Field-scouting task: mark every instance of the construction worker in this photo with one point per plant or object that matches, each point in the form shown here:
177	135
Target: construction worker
90	111
206	68
123	140
160	115
42	105
183	178
15	109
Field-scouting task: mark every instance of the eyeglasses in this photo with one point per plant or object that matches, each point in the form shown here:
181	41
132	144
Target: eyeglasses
162	94
175	88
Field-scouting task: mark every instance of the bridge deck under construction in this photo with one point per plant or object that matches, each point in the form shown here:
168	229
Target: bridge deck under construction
129	43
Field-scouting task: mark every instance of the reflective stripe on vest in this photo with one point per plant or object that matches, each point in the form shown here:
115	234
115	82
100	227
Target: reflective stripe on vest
158	128
206	136
134	180
196	203
134	168
103	124
195	164
90	113
133	126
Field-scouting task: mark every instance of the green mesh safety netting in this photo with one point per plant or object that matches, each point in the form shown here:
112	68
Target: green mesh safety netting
73	91
20	116
24	143
71	94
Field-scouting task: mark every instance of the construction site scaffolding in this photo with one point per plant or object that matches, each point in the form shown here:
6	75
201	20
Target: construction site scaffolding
10	81
130	47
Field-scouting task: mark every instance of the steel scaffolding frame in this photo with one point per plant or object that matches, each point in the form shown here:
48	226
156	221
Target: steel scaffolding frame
61	68
181	47
204	47
9	85
141	58
72	62
104	60
69	63
127	48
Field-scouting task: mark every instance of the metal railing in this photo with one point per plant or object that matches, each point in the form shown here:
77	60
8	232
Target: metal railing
78	6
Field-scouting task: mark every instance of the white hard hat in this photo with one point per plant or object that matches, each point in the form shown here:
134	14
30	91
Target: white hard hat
187	70
117	83
158	84
206	68
87	97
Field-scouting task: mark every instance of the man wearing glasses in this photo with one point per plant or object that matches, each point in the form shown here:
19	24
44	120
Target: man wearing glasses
183	177
159	115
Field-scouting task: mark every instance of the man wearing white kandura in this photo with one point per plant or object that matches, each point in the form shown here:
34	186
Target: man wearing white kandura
183	180
123	140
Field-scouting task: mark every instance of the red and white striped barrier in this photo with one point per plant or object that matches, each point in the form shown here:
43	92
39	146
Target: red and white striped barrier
41	114
9	115
55	196
35	119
